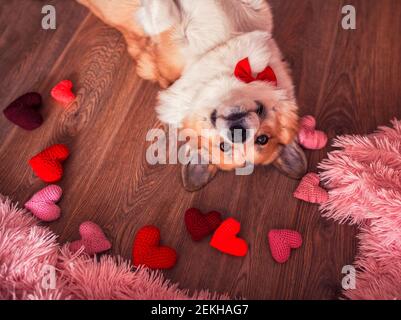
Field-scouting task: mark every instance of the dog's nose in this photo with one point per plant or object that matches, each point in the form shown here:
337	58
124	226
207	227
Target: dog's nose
237	134
236	116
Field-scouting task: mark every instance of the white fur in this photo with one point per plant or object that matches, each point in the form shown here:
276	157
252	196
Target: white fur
157	16
201	25
208	80
214	35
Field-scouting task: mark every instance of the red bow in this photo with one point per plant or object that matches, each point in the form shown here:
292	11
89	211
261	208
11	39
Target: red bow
243	72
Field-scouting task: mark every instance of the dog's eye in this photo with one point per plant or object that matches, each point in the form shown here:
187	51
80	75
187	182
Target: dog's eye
225	147
262	140
213	117
260	109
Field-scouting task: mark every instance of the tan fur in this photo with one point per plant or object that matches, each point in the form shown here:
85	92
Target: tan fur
282	131
158	58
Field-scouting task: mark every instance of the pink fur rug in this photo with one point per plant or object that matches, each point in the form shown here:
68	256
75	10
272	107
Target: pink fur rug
364	179
30	255
364	182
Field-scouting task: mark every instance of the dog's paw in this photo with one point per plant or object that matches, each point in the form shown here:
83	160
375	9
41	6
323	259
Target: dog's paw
156	16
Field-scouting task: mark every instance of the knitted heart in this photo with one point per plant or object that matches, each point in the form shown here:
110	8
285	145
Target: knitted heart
147	251
225	239
92	239
47	164
310	191
309	137
281	242
42	204
200	225
62	92
24	111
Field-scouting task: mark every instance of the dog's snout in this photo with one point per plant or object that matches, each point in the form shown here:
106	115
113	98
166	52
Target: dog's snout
238	134
236	116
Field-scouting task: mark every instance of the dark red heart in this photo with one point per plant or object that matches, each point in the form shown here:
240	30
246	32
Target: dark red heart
24	112
200	225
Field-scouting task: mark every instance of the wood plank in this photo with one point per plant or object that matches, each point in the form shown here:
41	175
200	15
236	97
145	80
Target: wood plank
348	79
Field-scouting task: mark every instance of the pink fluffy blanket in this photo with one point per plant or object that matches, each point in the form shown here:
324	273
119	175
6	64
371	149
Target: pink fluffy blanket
364	182
364	179
34	266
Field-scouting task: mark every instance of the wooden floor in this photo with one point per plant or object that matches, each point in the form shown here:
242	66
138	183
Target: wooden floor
349	79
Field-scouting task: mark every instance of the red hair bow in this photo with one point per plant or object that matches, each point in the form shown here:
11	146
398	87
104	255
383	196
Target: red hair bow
243	72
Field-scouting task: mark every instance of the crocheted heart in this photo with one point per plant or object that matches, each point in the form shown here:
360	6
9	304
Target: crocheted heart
24	112
47	164
281	242
93	240
200	225
225	239
43	203
309	137
309	190
148	252
62	92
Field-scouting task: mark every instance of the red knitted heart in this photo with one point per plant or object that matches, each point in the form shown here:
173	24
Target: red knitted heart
310	191
47	164
148	252
24	111
309	137
281	242
93	240
200	225
62	92
225	239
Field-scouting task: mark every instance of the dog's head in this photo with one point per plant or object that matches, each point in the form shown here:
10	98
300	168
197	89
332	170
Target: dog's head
236	123
255	124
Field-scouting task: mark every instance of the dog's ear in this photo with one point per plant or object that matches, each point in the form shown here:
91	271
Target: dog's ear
292	161
196	174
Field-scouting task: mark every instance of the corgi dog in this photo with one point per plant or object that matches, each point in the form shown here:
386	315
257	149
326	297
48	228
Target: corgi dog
221	75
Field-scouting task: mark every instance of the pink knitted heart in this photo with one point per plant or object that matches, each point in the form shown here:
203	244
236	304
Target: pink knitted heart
42	204
281	242
309	137
310	191
92	239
